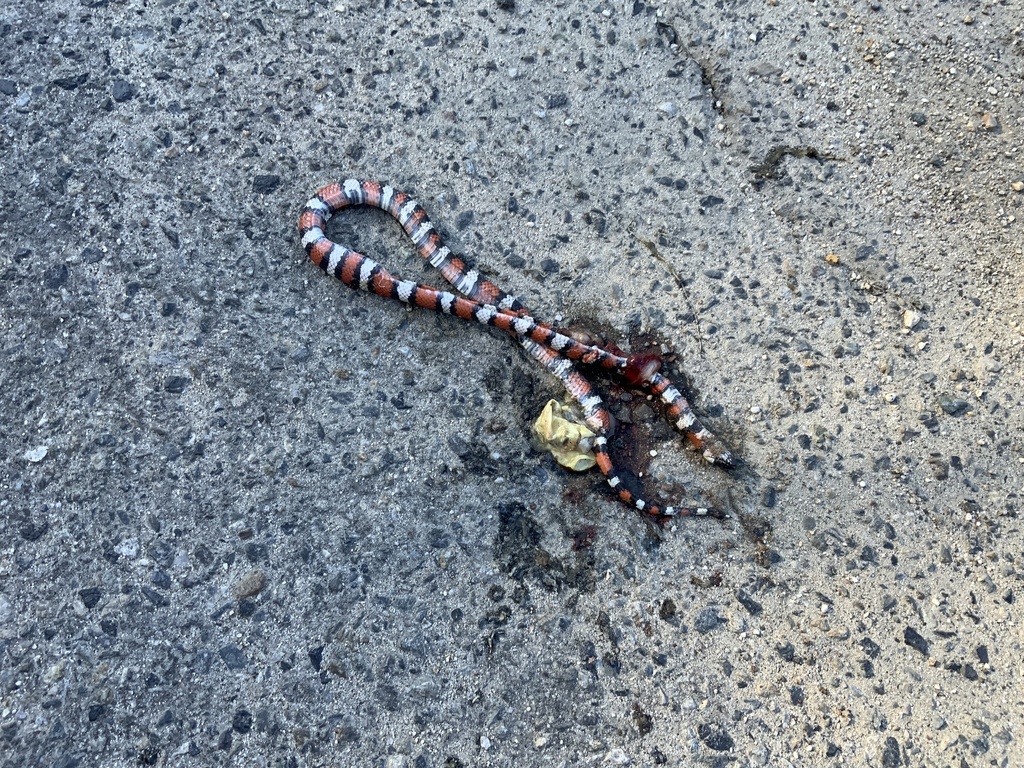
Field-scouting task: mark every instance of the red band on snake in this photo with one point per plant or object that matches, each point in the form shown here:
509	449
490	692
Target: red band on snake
485	303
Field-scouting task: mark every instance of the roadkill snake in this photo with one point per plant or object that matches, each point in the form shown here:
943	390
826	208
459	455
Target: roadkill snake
484	302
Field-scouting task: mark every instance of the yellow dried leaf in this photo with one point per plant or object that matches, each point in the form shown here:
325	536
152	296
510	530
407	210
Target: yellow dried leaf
559	433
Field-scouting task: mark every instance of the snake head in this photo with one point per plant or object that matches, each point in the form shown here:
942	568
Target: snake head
641	368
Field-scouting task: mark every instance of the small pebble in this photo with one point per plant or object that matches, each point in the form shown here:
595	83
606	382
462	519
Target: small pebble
250	585
891	753
667	610
122	90
242	721
914	639
35	455
952	405
707	620
54	674
715	737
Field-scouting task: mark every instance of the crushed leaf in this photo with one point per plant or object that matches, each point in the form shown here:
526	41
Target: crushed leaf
570	442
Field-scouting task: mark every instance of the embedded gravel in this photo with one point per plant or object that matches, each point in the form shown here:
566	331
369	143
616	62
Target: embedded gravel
251	517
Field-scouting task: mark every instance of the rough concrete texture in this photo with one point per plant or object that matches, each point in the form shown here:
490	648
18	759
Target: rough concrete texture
252	517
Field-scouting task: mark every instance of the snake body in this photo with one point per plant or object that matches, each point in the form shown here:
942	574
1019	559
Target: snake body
485	303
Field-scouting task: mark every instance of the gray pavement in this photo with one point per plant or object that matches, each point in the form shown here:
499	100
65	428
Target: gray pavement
251	517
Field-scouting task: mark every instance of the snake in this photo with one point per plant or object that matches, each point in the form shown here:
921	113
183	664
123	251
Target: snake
559	352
